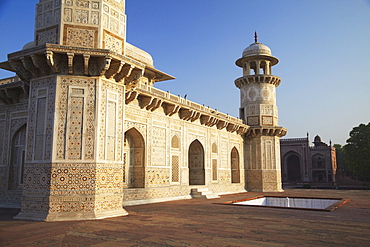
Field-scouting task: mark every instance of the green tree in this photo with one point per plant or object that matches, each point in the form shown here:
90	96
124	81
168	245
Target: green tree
357	151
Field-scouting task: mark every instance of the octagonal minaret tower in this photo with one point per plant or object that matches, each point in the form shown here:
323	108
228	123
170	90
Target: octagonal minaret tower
258	109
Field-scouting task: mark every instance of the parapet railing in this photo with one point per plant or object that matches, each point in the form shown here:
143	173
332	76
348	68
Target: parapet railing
183	101
320	147
293	139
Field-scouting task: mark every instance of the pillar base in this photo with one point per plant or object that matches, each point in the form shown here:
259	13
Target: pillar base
264	181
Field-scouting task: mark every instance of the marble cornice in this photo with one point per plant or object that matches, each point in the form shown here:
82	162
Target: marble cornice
271	79
151	98
51	59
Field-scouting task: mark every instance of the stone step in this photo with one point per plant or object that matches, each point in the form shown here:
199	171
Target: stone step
199	189
203	193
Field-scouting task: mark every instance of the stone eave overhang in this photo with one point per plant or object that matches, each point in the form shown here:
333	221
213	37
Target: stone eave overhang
257	131
10	92
51	58
240	62
152	98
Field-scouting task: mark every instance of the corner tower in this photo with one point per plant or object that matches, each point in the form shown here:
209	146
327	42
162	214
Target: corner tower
76	74
258	109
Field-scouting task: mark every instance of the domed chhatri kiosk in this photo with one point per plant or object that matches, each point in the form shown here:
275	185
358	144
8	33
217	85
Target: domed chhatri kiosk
258	109
84	132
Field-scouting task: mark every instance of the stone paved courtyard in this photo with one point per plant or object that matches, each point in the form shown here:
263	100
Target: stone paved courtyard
200	222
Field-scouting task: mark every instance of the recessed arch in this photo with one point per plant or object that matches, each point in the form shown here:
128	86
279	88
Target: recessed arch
214	148
17	158
235	166
318	161
293	162
134	159
196	164
175	142
175	159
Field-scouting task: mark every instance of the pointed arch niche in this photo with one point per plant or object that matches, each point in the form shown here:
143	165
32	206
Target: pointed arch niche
134	157
293	162
16	167
175	159
196	164
235	166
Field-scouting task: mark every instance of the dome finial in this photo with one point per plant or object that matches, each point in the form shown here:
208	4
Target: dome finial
255	37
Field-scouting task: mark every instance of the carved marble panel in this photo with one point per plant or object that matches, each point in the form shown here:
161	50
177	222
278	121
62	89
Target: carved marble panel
48	18
157	176
224	154
2	136
75	122
39	143
114	25
267	120
41	119
269	157
80	36
48	6
70	104
115	13
253	109
113	43
82	3
214	170
106	8
81	16
47	36
175	169
68	14
95	17
105	21
111	121
69	2
38	21
253	120
111	129
95	5
158	146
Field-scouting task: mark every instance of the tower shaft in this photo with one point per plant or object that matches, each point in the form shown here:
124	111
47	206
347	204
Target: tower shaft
258	109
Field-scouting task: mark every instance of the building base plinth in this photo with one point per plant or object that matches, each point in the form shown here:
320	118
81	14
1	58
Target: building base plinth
70	216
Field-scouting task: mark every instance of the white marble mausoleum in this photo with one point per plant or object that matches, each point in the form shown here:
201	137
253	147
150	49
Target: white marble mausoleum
84	131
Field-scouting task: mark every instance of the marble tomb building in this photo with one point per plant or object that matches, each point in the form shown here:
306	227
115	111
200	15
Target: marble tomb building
84	131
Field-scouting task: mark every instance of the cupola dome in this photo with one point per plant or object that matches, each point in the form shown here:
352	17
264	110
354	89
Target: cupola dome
256	49
317	139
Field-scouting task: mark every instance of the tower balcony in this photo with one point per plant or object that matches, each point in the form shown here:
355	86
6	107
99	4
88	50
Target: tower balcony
271	79
258	131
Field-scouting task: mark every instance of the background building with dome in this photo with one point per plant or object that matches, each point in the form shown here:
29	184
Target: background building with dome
303	163
84	131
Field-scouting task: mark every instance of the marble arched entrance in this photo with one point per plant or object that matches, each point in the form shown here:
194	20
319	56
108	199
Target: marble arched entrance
134	159
235	167
196	164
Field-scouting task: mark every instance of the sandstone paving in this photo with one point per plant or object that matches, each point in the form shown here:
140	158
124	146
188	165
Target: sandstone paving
201	222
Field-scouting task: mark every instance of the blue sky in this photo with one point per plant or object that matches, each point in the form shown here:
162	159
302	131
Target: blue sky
323	47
